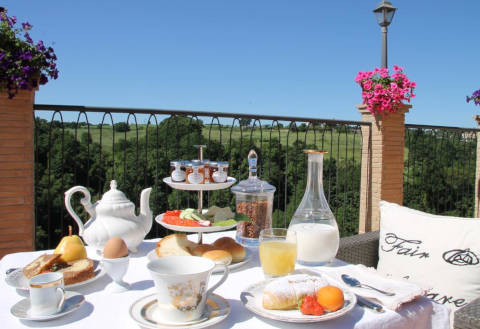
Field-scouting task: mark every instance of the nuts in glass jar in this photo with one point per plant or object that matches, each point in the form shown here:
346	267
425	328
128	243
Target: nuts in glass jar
258	212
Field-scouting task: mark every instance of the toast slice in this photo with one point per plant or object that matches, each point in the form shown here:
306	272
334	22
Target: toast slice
40	264
175	245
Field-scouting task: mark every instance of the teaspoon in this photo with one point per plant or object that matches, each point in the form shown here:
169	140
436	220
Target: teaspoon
355	283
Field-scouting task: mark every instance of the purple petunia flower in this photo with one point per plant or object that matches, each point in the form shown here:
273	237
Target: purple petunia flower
40	46
26	26
475	97
26	56
27	37
43	79
20	58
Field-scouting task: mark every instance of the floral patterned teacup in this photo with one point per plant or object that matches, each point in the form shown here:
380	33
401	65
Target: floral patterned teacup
181	283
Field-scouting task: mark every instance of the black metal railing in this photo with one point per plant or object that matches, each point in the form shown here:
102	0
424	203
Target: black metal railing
439	173
93	145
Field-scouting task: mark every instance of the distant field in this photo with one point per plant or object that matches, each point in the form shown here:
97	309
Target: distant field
339	144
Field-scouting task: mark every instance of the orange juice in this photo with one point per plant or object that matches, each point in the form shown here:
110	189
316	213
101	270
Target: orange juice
277	257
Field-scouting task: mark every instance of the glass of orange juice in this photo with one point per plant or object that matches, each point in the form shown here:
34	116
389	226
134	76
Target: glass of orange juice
277	251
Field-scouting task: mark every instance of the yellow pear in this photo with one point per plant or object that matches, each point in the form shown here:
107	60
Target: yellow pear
71	247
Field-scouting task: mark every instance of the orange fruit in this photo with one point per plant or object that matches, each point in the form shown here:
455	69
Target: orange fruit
330	298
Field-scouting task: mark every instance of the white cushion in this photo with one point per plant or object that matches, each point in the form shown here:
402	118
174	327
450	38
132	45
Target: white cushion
436	251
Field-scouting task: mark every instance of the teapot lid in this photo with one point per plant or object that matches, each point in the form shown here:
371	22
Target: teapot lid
114	195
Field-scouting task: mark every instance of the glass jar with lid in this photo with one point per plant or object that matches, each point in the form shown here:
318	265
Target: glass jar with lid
195	173
221	173
206	172
213	167
317	232
253	198
177	173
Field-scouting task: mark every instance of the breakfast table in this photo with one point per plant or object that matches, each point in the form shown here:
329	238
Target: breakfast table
107	310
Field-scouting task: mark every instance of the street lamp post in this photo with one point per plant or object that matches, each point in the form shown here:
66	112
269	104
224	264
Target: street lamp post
384	13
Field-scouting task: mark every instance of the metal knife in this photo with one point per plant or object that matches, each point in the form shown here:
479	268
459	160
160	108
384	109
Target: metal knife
366	303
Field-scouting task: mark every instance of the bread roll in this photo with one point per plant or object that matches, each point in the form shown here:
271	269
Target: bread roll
219	256
284	293
201	249
224	240
236	250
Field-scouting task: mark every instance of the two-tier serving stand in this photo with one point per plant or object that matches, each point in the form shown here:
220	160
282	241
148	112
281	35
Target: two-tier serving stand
200	188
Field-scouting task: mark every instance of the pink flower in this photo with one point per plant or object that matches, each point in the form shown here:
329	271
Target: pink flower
368	84
388	92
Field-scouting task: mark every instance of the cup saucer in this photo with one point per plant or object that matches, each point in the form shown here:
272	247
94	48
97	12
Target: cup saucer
142	311
73	300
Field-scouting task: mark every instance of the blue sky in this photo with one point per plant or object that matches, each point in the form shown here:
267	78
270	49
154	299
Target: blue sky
279	57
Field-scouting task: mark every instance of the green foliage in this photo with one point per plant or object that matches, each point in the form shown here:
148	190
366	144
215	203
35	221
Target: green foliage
122	127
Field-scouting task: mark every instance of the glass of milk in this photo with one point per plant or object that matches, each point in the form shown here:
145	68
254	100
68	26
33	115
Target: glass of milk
317	232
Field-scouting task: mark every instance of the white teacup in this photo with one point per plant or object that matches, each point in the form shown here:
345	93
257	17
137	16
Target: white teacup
47	293
181	283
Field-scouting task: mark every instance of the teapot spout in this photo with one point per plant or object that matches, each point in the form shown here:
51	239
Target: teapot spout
145	212
145	202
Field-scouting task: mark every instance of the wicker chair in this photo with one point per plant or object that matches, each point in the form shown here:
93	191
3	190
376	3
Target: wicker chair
363	249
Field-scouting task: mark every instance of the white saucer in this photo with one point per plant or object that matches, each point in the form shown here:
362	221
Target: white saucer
73	301
152	255
216	310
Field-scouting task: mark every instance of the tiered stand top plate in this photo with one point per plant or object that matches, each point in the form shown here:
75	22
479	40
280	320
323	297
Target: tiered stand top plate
199	187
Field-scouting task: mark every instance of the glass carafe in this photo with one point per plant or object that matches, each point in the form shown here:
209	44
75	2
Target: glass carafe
317	231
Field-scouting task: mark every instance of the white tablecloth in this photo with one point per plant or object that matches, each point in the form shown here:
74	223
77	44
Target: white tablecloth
103	310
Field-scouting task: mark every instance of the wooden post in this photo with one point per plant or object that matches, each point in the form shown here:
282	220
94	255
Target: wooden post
382	164
477	171
17	211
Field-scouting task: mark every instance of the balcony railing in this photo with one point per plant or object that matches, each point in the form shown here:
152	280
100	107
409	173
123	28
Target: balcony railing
439	174
135	146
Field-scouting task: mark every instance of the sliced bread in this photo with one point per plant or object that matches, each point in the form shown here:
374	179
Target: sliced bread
175	245
77	271
40	264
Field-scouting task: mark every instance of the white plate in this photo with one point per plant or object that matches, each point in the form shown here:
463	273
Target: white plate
152	255
73	300
251	298
199	187
17	280
191	229
216	310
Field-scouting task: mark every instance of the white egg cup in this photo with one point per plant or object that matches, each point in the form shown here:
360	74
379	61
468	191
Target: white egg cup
116	269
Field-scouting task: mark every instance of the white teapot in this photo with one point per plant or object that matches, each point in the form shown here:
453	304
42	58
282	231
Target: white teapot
113	215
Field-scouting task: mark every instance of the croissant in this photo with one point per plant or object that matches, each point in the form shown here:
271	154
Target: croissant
284	293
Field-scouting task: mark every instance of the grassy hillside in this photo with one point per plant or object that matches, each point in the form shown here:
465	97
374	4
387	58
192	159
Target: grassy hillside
339	143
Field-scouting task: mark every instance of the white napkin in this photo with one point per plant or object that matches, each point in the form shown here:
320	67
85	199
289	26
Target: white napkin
404	291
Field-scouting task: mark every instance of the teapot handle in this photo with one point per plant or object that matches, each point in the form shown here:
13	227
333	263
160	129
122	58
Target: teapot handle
86	202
